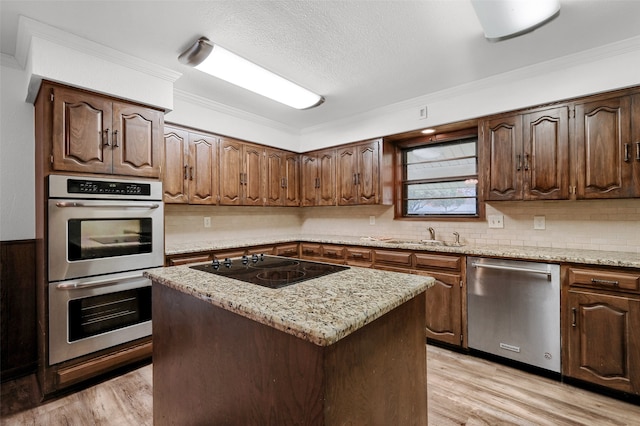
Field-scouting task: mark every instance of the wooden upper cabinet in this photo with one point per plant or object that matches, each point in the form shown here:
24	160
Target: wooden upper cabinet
82	131
358	173
546	154
254	175
190	173
605	150
282	178
136	140
242	173
527	156
230	169
91	133
502	140
318	177
175	171
203	169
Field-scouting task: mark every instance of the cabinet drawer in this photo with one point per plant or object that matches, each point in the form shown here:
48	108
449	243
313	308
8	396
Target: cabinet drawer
197	258
605	279
313	250
356	254
395	258
290	250
425	260
221	255
333	252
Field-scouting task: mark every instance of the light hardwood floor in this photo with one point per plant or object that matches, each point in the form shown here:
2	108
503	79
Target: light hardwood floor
463	390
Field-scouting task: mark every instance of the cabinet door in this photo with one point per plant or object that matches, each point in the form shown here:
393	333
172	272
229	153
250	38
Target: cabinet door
603	339
136	140
274	181
546	155
175	171
502	139
230	172
292	180
444	308
603	148
203	169
368	173
326	178
253	181
82	132
635	147
310	180
346	176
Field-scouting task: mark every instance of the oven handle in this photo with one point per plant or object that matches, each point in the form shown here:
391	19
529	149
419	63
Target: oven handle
150	206
78	285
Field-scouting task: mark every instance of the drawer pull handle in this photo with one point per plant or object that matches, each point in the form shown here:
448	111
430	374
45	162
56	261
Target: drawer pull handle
573	317
604	282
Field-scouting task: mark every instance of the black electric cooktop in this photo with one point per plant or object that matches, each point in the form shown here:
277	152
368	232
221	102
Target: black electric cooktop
269	271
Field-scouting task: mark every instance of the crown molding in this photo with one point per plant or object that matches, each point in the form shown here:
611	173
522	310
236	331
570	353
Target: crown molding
231	111
29	28
585	57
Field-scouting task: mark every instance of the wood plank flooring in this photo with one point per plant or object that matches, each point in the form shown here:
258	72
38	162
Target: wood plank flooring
463	390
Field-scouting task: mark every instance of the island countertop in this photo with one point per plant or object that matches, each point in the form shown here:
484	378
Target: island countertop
322	310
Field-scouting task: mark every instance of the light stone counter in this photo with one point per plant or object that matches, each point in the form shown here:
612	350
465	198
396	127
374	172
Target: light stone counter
321	310
546	254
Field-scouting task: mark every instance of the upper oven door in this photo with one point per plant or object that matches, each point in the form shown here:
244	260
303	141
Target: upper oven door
91	237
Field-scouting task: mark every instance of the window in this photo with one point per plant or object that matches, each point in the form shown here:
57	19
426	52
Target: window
441	179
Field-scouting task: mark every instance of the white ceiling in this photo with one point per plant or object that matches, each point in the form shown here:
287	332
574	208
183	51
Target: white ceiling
360	55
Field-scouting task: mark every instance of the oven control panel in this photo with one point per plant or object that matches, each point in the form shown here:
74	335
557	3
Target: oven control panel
88	187
81	186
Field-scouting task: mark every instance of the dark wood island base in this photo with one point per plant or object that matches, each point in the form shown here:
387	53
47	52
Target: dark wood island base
214	367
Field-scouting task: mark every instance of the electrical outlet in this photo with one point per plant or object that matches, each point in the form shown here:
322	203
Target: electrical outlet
207	222
539	222
372	220
423	112
496	221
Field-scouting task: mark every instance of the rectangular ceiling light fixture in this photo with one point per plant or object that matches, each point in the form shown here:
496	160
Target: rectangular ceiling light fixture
503	19
218	62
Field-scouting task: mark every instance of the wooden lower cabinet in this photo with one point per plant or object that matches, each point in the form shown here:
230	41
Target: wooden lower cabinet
601	332
444	308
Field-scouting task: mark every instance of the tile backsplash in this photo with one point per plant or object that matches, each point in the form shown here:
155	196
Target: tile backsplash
611	225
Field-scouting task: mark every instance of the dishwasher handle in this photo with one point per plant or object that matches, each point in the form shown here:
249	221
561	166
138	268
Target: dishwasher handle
513	269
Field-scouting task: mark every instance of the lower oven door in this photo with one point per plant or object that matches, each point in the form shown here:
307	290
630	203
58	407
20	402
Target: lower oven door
88	315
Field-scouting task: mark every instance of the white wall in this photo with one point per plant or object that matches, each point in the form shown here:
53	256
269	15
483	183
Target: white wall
17	171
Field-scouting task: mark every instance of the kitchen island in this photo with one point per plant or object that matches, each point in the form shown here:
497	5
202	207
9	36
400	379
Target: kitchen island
346	348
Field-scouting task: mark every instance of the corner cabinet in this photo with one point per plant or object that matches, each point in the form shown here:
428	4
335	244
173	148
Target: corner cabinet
527	156
92	133
601	331
607	135
190	173
358	173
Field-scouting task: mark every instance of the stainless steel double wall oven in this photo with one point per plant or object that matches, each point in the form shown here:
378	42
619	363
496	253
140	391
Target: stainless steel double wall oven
103	233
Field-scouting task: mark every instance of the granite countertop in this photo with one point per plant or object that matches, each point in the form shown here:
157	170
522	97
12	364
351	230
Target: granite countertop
546	254
321	310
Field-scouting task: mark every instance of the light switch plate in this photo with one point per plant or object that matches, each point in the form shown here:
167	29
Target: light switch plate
539	222
207	222
496	221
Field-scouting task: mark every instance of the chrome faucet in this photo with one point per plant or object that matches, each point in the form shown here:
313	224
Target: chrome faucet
457	242
432	232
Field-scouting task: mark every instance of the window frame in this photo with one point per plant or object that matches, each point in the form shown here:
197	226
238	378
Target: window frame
434	139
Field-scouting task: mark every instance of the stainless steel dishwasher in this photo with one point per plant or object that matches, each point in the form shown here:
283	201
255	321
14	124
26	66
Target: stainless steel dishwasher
514	310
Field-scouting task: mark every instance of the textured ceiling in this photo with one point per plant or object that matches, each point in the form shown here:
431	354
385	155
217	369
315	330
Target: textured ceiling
360	55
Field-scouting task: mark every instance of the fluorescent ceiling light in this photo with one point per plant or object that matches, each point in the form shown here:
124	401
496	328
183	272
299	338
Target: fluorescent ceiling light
218	62
503	19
